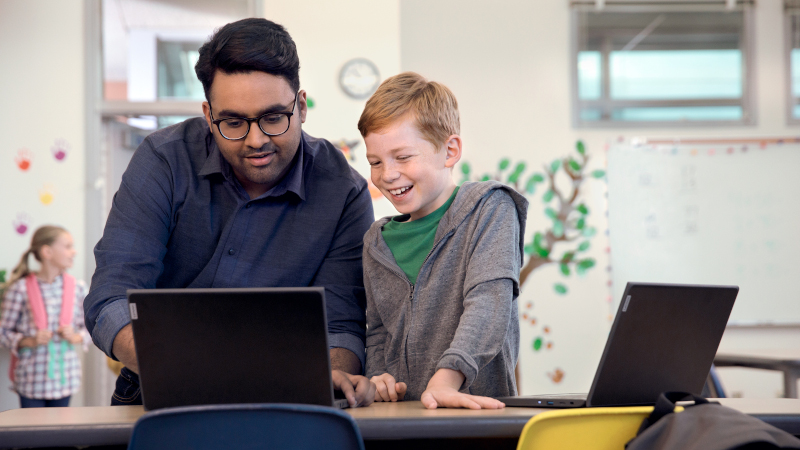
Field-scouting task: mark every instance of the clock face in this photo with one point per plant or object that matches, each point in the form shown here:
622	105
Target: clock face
359	78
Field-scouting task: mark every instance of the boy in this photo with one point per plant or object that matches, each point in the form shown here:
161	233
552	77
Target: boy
442	279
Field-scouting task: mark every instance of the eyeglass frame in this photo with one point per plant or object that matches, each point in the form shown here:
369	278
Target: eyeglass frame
250	120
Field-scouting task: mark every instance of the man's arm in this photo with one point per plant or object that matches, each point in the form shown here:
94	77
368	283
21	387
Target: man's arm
130	253
341	275
357	389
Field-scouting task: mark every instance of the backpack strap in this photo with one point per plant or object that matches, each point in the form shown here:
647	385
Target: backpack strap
36	302
666	405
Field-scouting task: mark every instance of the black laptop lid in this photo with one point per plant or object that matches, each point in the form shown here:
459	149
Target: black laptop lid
214	346
664	338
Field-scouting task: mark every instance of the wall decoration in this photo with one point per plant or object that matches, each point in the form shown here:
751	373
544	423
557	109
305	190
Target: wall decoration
346	147
22	223
23	159
60	149
47	194
374	192
568	236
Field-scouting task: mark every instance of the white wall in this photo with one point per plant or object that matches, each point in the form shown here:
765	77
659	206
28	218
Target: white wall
328	34
42	95
508	62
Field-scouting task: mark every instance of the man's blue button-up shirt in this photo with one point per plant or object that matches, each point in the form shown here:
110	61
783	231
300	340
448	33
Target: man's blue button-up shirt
181	220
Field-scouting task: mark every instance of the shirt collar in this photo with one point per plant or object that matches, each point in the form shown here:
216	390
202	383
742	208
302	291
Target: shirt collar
292	182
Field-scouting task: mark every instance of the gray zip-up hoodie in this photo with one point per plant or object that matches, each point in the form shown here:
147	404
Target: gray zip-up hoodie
462	312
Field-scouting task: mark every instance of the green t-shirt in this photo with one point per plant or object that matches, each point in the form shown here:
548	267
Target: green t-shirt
410	242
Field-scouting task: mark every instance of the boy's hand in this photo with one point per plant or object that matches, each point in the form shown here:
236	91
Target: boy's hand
357	389
387	389
69	335
442	391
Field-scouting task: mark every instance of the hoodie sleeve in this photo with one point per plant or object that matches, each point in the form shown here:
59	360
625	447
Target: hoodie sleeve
490	288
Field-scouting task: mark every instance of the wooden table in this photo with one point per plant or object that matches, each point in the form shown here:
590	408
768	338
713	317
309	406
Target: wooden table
382	425
784	360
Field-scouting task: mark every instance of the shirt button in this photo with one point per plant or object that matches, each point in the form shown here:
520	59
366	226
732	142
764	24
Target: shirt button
247	206
231	251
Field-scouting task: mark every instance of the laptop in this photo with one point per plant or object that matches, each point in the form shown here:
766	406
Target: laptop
664	338
217	346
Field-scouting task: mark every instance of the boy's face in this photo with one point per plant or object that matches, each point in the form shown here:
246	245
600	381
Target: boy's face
409	170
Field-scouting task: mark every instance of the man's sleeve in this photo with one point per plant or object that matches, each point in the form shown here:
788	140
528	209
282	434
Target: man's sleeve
492	281
131	251
340	274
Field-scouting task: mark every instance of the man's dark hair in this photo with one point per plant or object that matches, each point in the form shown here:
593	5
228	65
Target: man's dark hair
249	45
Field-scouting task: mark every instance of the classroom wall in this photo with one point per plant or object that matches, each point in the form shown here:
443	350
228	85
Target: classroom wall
41	121
508	63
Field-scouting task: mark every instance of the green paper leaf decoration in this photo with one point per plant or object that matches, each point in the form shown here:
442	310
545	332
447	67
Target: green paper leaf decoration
574	165
565	269
504	163
580	147
567	257
589	232
528	249
555	165
465	169
486	177
2	276
537	238
537	344
560	288
580	224
530	187
582	209
551	213
558	228
583	266
520	168
599	173
310	102
584	246
548	195
537	178
513	178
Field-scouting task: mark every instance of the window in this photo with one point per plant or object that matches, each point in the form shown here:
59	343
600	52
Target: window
656	63
793	59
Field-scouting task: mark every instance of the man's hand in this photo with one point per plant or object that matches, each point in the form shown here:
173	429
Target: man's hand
442	391
124	348
387	389
357	389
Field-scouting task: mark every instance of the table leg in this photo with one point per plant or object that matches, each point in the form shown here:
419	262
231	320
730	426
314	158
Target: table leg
790	384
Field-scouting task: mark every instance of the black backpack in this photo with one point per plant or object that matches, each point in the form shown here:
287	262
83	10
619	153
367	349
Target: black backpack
705	426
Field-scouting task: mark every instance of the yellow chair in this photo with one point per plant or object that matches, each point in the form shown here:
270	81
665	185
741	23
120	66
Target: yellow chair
584	428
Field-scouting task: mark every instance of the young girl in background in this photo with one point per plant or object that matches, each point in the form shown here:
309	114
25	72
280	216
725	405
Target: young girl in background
42	320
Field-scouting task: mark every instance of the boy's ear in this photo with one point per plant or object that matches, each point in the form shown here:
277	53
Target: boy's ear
453	148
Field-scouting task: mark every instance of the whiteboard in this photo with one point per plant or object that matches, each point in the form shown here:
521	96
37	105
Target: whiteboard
710	213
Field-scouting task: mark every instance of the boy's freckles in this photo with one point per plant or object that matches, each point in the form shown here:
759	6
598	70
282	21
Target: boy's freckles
408	169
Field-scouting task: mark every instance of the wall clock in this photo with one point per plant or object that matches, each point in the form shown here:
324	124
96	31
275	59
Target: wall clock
359	78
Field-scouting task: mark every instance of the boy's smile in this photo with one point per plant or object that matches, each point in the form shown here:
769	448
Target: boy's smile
409	170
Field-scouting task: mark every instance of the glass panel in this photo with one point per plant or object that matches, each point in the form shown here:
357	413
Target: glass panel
671	114
676	74
176	76
148	45
165	121
589	77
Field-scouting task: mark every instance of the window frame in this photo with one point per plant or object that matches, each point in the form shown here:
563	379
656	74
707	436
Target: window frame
790	8
747	101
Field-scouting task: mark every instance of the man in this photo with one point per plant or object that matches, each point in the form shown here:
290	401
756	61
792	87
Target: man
241	198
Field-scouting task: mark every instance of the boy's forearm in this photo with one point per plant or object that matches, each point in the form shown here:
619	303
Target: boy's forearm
447	377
